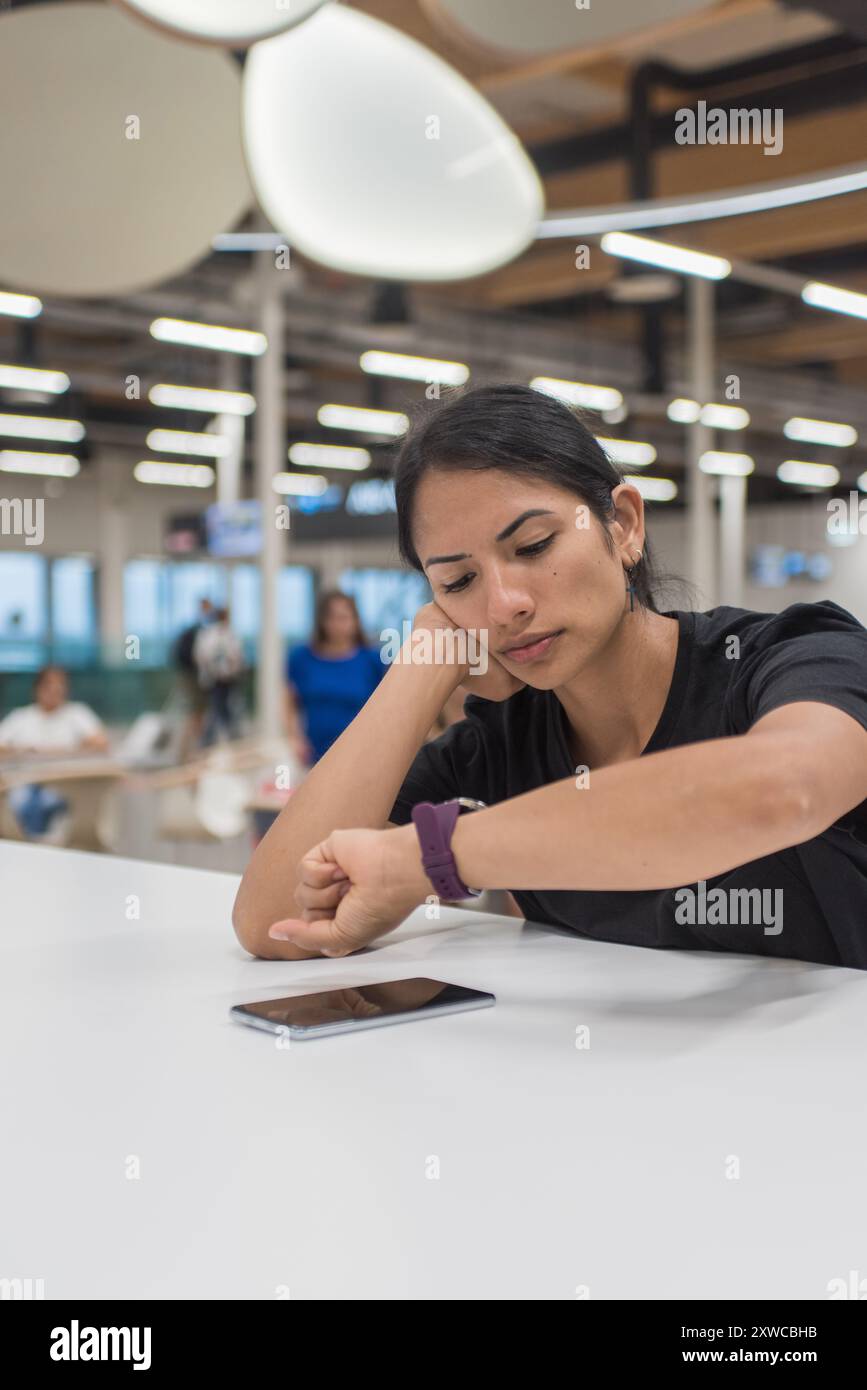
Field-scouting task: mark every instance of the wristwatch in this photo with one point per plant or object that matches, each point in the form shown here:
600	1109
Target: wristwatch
434	824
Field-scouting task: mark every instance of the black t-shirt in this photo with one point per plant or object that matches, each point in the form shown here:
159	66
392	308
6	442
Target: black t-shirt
720	687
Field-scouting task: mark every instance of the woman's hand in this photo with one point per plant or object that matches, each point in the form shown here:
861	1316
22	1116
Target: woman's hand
494	683
353	887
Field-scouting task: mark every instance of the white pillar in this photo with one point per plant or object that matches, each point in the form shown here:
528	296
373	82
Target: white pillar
701	548
231	427
733	505
114	506
269	452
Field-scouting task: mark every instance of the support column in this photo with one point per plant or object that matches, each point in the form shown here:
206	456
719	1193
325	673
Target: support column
733	507
269	456
701	547
114	504
232	428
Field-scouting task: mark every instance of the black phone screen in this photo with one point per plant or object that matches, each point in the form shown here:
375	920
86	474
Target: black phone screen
359	1002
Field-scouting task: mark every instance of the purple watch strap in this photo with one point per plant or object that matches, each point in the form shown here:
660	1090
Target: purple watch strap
434	825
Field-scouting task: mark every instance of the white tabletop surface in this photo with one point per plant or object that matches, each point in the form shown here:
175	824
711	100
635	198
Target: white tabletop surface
269	1172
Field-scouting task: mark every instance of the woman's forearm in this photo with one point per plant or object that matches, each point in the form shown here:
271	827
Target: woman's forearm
353	785
658	821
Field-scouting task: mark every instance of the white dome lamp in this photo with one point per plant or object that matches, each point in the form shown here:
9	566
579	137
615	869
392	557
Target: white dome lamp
546	26
232	23
124	158
375	157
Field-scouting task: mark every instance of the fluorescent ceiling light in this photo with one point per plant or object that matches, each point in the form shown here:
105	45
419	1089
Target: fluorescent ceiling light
639	248
579	393
328	456
174	474
808	474
209	335
33	379
820	432
725	417
726	465
39	427
704	207
198	398
248	241
353	417
20	306
627	451
719	417
861	482
50	465
683	411
831	297
654	489
408	368
299	484
188	442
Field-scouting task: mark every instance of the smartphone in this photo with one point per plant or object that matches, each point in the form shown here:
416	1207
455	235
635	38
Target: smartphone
304	1016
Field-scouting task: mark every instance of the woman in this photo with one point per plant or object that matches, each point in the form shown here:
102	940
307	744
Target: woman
330	679
52	725
674	779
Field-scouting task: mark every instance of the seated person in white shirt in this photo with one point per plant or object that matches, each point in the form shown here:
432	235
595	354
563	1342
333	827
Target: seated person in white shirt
52	724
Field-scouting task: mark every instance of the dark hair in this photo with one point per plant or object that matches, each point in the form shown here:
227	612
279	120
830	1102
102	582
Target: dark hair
323	604
45	671
518	430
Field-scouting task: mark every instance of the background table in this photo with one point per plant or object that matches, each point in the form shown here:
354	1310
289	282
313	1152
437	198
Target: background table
267	1169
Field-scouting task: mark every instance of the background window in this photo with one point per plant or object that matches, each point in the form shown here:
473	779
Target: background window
162	598
74	631
295	603
23	611
385	597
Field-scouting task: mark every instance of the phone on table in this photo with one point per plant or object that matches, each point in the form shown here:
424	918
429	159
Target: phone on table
304	1016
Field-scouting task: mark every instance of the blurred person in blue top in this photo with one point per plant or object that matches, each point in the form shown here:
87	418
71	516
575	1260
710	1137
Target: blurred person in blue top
330	678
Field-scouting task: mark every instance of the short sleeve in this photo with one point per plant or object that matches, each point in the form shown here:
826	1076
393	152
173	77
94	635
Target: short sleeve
827	665
10	726
86	722
295	667
458	763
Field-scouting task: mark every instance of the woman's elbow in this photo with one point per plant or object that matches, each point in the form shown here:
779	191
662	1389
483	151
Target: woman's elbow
252	933
244	925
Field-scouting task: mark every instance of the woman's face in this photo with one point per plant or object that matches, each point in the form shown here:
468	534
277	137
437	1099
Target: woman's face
339	621
52	690
551	573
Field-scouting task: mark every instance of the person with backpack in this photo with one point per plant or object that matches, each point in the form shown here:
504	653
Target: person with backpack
219	660
194	697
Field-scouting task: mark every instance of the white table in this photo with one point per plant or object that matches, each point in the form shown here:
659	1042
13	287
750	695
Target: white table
264	1169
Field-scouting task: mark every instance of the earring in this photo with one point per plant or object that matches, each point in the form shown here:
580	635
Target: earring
630	582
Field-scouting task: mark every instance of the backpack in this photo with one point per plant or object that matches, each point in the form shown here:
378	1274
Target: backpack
183	653
221	659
